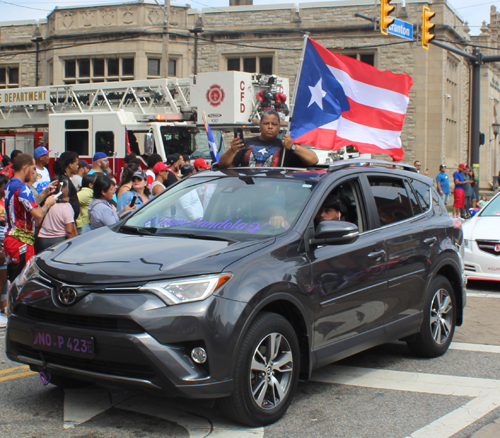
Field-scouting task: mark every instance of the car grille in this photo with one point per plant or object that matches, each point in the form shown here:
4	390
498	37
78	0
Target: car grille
122	325
489	246
123	369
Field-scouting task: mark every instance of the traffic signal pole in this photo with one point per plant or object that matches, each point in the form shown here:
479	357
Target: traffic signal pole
476	59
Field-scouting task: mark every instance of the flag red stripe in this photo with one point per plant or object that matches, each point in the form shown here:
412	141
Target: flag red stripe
359	71
373	117
328	139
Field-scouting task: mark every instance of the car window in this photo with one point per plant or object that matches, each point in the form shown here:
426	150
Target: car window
493	208
391	199
437	203
415	206
232	207
349	194
423	192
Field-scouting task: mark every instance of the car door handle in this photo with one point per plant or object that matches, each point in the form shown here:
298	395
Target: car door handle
430	241
377	254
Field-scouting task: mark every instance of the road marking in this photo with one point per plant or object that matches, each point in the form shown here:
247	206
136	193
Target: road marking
482	348
9	370
486	393
16	376
452	423
482	295
80	405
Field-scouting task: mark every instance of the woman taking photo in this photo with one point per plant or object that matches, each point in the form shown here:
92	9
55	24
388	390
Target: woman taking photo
59	223
101	212
139	191
85	196
67	165
126	180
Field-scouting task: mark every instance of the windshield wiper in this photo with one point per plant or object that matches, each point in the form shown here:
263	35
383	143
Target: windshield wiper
140	230
201	237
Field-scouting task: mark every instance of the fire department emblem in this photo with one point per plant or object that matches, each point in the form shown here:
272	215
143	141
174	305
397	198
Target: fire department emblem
215	95
497	247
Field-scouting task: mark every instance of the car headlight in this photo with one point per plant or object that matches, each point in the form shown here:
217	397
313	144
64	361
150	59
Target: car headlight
29	272
186	290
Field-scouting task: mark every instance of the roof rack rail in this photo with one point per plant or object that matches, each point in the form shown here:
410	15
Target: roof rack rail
364	162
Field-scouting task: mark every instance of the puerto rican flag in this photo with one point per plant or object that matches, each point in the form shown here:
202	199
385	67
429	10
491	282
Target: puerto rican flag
214	153
341	101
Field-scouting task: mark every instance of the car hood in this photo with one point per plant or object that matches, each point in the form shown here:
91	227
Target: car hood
482	228
104	256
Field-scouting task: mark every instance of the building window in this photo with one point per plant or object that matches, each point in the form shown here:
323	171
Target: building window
367	58
9	76
155	70
251	64
85	70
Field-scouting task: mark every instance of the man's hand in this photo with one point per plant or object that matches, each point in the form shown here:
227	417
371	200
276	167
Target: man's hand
277	221
236	145
287	141
50	188
129	207
50	201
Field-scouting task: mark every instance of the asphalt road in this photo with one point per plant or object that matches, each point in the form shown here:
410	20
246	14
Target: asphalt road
384	392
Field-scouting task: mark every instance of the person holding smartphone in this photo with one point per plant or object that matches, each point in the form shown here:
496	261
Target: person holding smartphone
267	149
138	194
59	223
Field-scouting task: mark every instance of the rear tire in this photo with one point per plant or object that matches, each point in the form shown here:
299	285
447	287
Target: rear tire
438	325
266	372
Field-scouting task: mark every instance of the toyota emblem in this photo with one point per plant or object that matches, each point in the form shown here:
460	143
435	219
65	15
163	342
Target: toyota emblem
67	296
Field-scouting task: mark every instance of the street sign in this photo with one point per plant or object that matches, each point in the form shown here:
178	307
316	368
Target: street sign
401	29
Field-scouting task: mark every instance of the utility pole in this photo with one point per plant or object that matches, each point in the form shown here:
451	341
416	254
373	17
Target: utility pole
165	39
476	60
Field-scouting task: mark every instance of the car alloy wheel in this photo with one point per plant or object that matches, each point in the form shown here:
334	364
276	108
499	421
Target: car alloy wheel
439	320
441	316
271	371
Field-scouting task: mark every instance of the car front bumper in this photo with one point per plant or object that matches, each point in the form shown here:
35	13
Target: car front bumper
138	341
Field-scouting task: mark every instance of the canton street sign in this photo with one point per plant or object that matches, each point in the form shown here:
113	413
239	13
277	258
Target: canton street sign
401	29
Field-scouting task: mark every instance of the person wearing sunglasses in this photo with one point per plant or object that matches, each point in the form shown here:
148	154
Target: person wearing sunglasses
139	191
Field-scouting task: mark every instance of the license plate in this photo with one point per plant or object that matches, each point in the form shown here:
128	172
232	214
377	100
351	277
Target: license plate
62	343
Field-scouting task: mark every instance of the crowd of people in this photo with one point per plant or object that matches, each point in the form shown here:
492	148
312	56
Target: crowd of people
40	208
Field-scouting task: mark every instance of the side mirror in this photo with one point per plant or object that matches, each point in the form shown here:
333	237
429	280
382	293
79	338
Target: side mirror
149	143
335	233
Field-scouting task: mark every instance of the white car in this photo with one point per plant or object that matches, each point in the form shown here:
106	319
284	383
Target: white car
482	243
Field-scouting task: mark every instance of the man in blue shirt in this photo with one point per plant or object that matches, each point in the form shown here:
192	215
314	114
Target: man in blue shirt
443	183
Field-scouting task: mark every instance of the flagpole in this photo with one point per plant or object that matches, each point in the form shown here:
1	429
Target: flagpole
297	79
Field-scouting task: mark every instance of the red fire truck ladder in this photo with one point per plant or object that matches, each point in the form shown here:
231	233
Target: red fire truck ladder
169	97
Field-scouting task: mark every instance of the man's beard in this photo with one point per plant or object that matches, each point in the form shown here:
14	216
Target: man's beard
106	169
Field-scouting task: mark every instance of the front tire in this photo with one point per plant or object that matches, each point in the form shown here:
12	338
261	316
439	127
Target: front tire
438	325
266	372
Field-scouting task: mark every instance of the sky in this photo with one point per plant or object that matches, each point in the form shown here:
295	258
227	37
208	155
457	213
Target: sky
473	11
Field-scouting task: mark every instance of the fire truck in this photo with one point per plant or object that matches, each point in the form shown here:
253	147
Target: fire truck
143	117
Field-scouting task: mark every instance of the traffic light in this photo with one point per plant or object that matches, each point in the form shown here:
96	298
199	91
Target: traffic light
385	10
427	26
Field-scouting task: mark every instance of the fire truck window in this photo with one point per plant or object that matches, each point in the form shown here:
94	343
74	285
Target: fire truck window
105	142
266	65
76	124
77	141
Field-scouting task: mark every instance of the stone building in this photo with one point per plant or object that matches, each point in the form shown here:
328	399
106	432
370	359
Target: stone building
124	41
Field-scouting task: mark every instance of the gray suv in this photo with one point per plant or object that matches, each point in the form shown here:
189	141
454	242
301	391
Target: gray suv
226	285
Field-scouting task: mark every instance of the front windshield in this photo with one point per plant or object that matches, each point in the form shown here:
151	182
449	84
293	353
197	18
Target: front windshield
493	208
233	208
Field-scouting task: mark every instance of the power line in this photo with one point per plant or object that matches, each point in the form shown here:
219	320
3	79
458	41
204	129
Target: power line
26	7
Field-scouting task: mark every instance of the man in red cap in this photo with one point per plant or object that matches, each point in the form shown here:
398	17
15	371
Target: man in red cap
160	170
458	193
200	164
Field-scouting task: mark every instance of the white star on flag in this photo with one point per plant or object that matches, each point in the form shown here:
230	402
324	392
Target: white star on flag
27	191
263	151
317	94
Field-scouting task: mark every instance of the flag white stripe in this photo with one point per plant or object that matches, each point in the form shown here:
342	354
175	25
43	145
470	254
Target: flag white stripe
355	132
370	95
